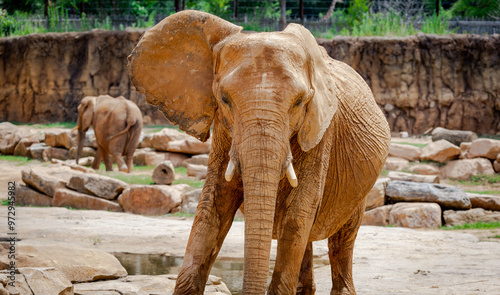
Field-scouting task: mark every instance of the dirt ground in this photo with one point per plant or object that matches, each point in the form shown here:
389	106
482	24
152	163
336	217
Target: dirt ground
387	260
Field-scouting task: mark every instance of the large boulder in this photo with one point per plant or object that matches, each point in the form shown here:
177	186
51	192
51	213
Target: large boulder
487	202
70	198
424	169
496	164
86	152
189	145
60	138
396	164
36	150
456	137
27	196
77	264
376	196
55	153
197	160
416	215
10	135
152	199
38	281
150	157
396	175
144	284
48	179
97	185
452	218
197	171
23	147
160	140
404	151
190	201
484	148
464	169
448	197
440	151
164	173
378	216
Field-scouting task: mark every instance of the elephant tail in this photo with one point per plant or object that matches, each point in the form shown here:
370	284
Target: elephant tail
133	137
127	128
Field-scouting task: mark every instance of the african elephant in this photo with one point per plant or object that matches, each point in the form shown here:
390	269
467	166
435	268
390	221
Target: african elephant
297	137
117	123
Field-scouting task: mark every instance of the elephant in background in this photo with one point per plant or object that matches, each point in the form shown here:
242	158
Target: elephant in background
298	139
117	123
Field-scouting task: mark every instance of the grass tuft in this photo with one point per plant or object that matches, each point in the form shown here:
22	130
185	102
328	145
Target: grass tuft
477	225
19	160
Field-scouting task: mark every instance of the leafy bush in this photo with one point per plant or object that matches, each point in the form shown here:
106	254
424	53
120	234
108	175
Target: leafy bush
477	8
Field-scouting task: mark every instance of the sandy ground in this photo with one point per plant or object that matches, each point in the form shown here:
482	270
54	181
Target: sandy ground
387	260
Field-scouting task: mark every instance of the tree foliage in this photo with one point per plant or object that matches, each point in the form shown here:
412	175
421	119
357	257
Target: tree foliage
477	8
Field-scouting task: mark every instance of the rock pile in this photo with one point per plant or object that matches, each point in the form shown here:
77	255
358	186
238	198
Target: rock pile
417	199
480	156
62	270
61	186
181	149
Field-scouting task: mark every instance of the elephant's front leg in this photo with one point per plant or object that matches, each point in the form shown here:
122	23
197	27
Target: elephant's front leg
214	216
295	217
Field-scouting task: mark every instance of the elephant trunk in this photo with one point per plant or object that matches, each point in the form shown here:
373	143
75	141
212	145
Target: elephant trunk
262	158
81	139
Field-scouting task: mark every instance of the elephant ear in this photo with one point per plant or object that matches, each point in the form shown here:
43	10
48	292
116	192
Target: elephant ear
324	103
172	65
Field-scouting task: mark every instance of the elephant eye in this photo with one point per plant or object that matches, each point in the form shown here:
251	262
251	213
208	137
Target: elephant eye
298	102
226	100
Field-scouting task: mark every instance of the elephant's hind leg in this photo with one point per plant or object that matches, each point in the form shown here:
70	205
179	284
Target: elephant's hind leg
341	246
306	284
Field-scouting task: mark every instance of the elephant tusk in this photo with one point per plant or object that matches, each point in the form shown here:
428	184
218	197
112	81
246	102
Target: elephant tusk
290	174
74	129
230	170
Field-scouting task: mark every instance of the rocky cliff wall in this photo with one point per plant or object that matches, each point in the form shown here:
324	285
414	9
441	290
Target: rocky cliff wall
43	77
420	81
427	81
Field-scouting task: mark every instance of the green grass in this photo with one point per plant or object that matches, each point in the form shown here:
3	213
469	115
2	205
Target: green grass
19	160
484	192
495	237
143	168
191	182
419	145
5	202
477	225
158	128
69	125
180	214
181	170
129	178
481	179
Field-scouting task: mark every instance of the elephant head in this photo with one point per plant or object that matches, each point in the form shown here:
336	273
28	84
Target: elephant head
85	118
266	88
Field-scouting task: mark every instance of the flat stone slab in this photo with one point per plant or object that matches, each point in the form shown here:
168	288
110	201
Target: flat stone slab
27	196
97	185
144	284
39	280
448	197
73	199
76	263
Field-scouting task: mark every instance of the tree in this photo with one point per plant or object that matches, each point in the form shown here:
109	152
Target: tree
477	8
283	14
329	13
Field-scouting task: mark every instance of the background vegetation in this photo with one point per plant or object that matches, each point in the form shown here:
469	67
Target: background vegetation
326	18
